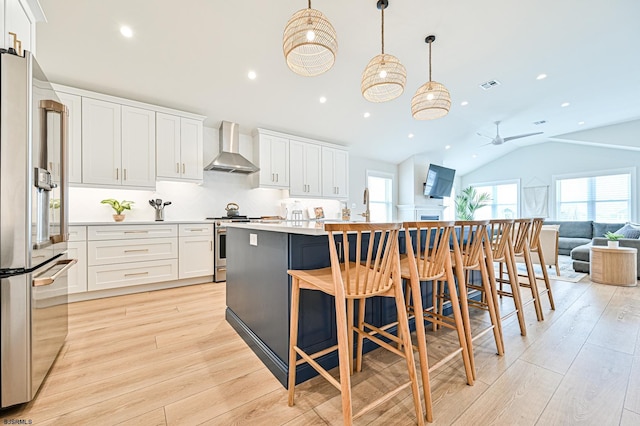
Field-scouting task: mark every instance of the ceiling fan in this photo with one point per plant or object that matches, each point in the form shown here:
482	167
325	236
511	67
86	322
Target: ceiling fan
499	140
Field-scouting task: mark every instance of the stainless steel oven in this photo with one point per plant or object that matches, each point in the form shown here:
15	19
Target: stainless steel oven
220	251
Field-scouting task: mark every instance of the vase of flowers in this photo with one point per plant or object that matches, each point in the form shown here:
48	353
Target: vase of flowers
118	207
613	238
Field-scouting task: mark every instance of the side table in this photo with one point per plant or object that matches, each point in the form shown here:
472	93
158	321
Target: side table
614	266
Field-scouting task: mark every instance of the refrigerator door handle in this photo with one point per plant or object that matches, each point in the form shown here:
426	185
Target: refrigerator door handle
57	107
66	264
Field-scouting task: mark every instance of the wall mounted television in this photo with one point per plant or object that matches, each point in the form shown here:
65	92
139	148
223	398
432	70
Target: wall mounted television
439	181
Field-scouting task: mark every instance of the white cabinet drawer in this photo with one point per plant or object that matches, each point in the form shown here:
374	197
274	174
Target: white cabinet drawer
119	232
195	229
196	256
112	276
77	233
125	251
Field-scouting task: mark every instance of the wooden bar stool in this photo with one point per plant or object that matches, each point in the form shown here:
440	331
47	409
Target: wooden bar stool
520	235
430	261
470	252
500	231
536	248
374	273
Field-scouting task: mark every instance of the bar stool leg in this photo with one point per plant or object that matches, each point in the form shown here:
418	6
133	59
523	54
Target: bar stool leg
293	337
547	283
533	283
512	273
489	286
350	333
361	312
344	355
460	308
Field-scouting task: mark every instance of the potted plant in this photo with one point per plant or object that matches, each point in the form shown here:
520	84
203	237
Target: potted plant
469	201
613	239
118	207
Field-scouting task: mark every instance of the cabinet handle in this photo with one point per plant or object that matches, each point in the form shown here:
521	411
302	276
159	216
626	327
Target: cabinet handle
136	250
136	232
273	177
277	178
117	174
183	168
137	273
211	245
51	166
195	229
124	173
177	167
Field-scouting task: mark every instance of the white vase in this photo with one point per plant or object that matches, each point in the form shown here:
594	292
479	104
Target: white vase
613	244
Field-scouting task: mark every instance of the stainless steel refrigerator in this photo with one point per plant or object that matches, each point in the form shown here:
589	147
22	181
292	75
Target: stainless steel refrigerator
33	227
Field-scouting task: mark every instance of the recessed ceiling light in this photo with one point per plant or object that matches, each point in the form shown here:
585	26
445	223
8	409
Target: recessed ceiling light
366	115
565	104
410	135
323	99
580	123
447	147
541	77
252	75
126	31
464	103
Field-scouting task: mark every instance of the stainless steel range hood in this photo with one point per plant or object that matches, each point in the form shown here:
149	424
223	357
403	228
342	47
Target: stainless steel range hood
229	159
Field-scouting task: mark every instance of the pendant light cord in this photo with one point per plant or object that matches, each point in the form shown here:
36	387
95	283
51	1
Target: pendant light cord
309	4
430	61
382	31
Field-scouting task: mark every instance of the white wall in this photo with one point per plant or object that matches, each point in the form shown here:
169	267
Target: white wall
358	167
535	165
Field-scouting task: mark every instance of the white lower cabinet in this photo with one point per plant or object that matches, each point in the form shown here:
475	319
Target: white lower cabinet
128	255
196	251
118	256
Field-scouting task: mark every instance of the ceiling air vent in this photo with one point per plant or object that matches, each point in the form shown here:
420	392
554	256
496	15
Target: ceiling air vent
489	84
537	123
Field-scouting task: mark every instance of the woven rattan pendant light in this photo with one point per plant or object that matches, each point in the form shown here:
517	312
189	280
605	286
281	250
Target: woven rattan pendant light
432	100
309	43
384	77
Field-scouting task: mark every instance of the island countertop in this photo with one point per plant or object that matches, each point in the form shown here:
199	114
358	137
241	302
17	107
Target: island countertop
303	227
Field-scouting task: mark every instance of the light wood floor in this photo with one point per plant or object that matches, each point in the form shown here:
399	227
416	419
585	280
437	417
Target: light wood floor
169	357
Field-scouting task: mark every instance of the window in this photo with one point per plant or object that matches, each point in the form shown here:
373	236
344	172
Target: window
380	196
604	197
504	201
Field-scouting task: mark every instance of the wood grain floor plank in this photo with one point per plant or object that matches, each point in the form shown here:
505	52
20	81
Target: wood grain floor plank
632	399
558	347
517	397
152	418
629	418
618	327
593	389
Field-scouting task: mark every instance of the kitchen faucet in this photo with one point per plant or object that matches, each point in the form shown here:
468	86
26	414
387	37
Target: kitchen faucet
367	212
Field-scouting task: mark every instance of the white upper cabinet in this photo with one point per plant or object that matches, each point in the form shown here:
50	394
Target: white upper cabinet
138	147
118	144
335	173
179	143
74	148
272	155
305	169
18	24
101	142
191	140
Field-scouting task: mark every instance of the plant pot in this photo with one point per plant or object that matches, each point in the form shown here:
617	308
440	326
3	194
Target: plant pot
613	244
118	217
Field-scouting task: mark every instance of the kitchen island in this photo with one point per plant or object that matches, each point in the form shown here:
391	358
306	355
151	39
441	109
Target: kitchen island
258	293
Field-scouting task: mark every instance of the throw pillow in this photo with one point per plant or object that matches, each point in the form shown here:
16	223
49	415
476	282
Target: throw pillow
629	231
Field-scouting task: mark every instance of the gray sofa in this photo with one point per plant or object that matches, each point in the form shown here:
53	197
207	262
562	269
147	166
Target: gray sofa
576	233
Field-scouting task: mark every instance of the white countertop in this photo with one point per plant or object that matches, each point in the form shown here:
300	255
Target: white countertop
287	226
145	222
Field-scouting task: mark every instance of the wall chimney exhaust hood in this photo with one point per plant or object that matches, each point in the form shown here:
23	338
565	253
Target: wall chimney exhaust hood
229	159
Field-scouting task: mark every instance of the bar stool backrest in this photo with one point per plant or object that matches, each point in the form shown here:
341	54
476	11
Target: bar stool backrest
536	229
370	274
500	236
520	235
431	247
472	233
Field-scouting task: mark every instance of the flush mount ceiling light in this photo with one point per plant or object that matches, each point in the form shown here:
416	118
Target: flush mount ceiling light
432	100
384	77
309	43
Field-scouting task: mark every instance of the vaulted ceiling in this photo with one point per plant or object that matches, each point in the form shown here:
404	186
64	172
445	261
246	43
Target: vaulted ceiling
195	55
